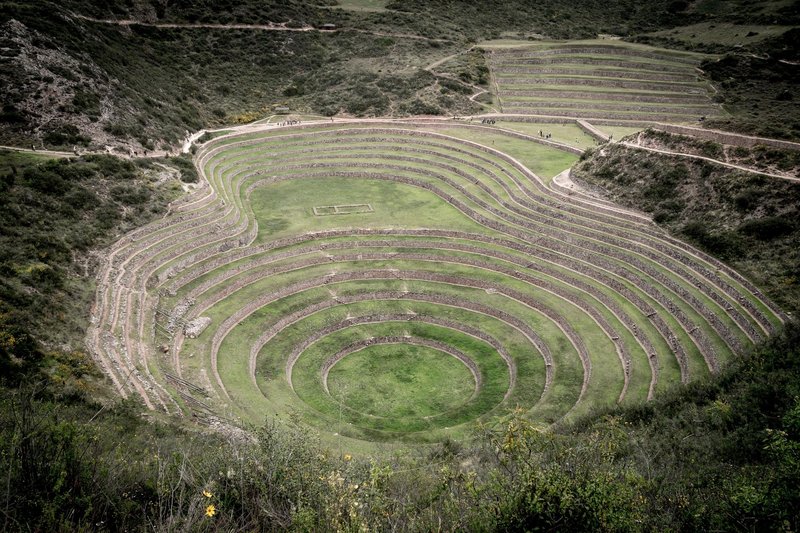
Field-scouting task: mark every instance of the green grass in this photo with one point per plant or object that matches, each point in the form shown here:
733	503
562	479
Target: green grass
394	204
398	414
405	381
543	161
438	158
722	33
569	134
275	396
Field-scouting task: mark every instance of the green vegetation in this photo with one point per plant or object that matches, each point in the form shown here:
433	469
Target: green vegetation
756	79
468	67
760	157
747	219
404	381
560	305
363	5
170	80
721	454
55	213
544	161
569	134
718	36
464	343
618	132
760	92
163	81
394	206
600	78
735	23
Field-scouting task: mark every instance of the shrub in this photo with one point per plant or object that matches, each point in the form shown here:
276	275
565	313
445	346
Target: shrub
767	228
724	244
130	194
186	166
46	181
66	135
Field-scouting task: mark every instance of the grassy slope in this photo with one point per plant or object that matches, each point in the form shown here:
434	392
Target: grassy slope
721	455
280	215
753	79
149	85
544	161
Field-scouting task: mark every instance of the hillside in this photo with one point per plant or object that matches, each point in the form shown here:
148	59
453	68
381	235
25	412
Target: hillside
399	265
747	219
139	76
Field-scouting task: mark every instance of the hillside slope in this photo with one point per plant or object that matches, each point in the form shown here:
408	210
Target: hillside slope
748	220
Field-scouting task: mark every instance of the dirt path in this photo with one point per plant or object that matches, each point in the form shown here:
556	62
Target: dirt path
262	27
716	161
258	27
443	60
54	153
564	181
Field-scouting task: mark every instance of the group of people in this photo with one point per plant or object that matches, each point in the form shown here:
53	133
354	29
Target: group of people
289	123
488	121
544	135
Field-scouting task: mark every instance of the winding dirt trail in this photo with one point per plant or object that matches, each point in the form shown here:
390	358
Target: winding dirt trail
710	160
54	153
258	27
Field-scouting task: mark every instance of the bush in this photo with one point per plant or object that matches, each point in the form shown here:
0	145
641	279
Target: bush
130	194
44	180
186	167
747	199
66	135
767	228
86	102
723	244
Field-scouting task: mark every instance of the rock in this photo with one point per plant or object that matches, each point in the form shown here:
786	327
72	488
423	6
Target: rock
194	328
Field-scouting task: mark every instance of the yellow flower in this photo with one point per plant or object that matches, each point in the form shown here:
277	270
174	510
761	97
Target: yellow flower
347	457
211	510
207	494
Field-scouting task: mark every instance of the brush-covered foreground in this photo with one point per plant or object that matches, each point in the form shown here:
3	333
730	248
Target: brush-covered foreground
722	454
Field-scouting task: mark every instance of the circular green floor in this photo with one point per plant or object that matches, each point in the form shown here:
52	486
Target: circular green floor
401	380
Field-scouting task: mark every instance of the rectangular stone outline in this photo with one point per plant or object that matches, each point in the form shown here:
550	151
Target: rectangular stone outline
344	209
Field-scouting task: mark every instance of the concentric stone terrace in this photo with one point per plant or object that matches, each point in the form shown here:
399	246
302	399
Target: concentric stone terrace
468	288
601	80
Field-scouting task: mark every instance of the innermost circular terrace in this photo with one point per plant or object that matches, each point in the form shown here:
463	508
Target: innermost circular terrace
395	380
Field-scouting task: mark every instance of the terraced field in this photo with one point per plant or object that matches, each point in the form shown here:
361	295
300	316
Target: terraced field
467	288
602	80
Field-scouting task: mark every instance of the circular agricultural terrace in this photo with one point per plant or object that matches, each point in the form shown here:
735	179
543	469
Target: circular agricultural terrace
389	282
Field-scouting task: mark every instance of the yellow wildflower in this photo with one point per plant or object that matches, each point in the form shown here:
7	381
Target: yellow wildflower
211	510
347	457
207	494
